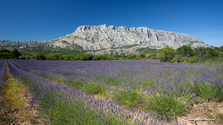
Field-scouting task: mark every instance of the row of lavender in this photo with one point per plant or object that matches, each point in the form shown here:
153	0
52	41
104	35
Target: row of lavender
190	82
64	105
2	72
2	80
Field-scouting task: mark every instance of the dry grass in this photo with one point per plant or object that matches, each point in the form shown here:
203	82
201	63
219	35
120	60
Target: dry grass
205	111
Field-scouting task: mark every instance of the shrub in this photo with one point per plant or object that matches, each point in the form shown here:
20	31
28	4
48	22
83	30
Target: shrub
149	83
99	57
15	53
40	56
27	57
185	51
67	57
5	55
200	52
176	59
85	57
77	57
129	97
112	81
166	54
142	55
212	52
152	56
21	57
55	57
208	91
194	59
94	88
77	83
167	106
220	48
60	57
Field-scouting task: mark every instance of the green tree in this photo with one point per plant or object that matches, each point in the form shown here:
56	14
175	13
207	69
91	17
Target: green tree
185	51
49	57
40	56
60	57
130	56
212	52
220	48
4	53
55	57
200	52
166	54
22	57
77	57
142	55
99	57
86	57
15	54
67	57
4	50
28	57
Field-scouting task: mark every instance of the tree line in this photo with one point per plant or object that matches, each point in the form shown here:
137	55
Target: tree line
6	54
41	56
188	54
15	54
166	54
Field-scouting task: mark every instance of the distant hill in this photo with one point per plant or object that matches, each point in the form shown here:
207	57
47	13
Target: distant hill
105	39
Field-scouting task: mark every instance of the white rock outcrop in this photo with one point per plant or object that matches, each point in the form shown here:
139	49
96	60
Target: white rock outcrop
103	36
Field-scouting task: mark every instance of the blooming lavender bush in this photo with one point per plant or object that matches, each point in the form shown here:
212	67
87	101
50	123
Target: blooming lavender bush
2	72
2	80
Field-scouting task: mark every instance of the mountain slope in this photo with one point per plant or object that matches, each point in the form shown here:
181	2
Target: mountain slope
89	38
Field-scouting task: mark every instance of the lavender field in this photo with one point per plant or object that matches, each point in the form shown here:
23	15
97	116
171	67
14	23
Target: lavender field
137	92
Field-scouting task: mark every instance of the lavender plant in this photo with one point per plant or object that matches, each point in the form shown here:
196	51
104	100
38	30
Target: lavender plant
2	72
129	97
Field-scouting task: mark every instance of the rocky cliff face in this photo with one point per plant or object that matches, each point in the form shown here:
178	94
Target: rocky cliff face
107	37
103	36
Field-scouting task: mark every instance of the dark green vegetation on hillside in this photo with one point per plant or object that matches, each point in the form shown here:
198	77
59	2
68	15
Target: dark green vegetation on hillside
71	50
146	50
188	55
184	54
6	54
41	56
127	46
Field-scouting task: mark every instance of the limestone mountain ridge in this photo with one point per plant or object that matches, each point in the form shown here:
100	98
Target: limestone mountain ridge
110	37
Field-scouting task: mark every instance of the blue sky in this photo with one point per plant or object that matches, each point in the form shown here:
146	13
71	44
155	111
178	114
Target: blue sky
27	20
